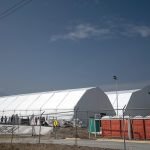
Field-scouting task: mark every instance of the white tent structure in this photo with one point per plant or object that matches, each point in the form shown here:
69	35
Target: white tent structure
123	98
139	103
61	104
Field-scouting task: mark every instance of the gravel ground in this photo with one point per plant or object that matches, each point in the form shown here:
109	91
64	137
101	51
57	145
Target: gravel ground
44	147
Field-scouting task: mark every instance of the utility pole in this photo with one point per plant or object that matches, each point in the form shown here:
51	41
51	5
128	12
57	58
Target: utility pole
116	85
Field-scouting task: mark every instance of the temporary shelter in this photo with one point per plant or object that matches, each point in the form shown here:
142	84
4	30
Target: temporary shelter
123	98
139	103
63	104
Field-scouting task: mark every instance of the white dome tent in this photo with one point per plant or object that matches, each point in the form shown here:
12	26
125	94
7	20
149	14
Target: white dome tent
61	104
123	99
139	103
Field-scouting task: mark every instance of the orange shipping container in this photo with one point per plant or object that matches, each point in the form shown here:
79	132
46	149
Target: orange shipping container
116	128
138	128
106	128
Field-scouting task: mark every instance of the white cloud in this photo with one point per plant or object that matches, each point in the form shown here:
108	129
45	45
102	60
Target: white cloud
106	29
131	30
83	31
143	31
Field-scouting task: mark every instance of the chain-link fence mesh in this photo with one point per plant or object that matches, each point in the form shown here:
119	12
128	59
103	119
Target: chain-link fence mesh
77	127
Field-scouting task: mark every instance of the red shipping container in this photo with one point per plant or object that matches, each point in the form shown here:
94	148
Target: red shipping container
116	128
147	128
138	128
106	128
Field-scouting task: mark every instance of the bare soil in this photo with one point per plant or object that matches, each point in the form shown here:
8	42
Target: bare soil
59	133
71	132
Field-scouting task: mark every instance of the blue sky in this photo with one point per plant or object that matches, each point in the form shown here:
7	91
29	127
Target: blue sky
63	44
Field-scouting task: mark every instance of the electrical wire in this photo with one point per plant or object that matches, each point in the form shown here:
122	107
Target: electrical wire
14	8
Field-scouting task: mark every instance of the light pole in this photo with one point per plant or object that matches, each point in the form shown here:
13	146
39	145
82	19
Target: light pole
116	84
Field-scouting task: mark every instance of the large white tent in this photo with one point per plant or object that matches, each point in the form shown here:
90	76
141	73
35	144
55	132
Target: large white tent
123	98
61	104
139	103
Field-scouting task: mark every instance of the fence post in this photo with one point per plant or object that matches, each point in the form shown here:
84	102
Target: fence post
13	122
124	128
40	126
129	128
76	134
95	126
18	121
87	121
89	128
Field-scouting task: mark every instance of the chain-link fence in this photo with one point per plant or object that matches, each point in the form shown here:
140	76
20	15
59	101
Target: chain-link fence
77	127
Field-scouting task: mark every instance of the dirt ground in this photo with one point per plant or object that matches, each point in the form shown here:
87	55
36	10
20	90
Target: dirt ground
59	133
71	132
44	147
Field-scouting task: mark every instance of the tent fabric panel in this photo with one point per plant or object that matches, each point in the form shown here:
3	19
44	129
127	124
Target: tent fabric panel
7	103
28	101
55	100
20	99
71	100
123	97
139	103
39	102
13	105
2	100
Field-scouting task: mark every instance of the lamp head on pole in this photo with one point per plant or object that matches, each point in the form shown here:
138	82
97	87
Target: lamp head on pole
115	77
